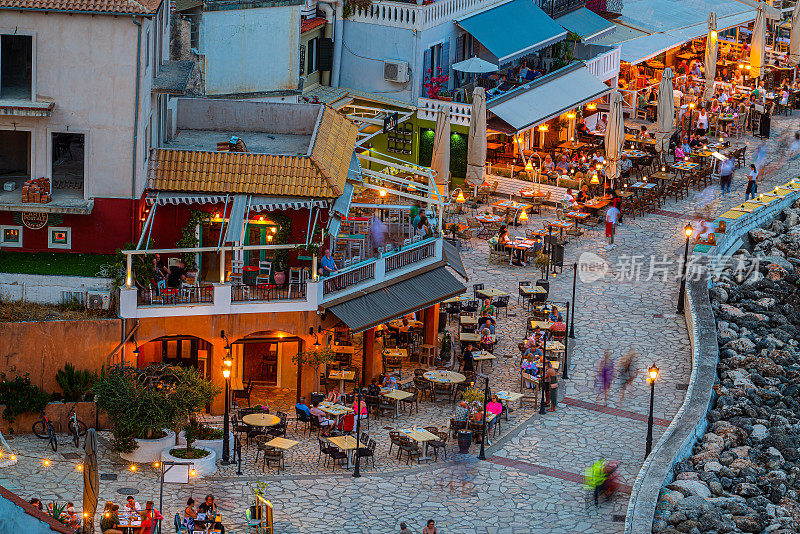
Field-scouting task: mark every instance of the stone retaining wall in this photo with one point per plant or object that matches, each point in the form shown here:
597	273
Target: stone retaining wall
49	289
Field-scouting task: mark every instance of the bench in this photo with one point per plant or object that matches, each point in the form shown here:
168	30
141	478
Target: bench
511	187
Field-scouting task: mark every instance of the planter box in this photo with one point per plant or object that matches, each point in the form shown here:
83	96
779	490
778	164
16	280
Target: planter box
149	450
57	412
204	466
213	444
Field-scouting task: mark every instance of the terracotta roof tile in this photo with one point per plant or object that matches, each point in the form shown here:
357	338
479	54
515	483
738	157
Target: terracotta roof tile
306	25
322	175
100	6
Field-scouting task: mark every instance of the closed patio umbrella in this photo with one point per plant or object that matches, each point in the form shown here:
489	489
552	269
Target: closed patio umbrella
794	37
476	155
440	162
475	65
91	483
615	135
711	57
758	44
665	110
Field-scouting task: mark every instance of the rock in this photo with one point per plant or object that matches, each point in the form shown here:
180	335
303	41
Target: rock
745	489
718	293
759	234
747	523
759	432
781	262
713	467
731	433
716	487
742	345
671	496
691	488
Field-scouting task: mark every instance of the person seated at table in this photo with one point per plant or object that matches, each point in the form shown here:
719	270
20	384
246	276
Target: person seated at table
696	70
725	75
486	322
582	128
189	515
548	165
333	396
373	389
537	337
679	153
303	407
738	78
784	96
327	265
487	343
149	507
597	157
109	522
723	98
132	506
715	107
529	371
583	194
563	165
569	199
487	310
72	519
360	410
641	101
554	316
177	275
687	149
496	408
462	413
625	165
644	134
653	96
324	422
160	271
601	124
577	157
389	382
694	142
469	363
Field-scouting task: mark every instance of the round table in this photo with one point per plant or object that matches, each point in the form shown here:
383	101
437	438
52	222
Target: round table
488	218
261	419
444	377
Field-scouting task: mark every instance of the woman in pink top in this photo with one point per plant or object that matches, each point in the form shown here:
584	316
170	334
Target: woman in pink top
496	408
363	411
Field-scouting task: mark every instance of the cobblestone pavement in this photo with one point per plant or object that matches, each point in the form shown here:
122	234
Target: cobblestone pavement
532	481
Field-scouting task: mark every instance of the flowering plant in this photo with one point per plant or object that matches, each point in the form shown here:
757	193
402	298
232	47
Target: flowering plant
434	84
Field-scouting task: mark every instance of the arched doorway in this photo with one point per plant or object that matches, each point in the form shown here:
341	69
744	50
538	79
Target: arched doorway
266	358
186	351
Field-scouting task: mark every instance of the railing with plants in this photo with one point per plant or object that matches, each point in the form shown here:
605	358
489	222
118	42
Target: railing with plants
171	297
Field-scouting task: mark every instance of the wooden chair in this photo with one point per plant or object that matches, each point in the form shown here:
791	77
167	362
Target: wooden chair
243	393
237	272
264	272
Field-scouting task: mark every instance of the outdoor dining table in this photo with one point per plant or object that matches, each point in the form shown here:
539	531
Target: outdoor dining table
261	419
532	193
684	166
460	298
469	319
420	435
544	325
349	445
336	410
129	523
555	346
397	395
398	353
523	245
444	377
579	216
572	145
491	293
561	225
532	290
508	396
472	337
487	220
643	186
634	154
661	175
594	204
481	356
281	443
342	376
494	148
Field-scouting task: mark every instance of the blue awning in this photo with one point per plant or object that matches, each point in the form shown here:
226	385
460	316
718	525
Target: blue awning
586	23
513	30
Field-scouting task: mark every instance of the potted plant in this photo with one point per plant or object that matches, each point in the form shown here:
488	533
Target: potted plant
202	459
204	436
542	262
314	358
146	406
258	489
433	84
19	397
453	229
445	95
280	266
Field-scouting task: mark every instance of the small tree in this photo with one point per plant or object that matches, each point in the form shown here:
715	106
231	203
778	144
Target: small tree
75	384
142	402
314	358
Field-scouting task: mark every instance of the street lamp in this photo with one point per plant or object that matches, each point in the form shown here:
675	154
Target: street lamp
227	364
482	455
652	375
542	409
687	230
357	470
572	316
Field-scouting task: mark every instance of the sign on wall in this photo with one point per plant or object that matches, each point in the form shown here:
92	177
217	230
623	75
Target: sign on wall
34	221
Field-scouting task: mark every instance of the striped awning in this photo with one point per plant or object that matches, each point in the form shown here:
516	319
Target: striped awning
165	197
258	203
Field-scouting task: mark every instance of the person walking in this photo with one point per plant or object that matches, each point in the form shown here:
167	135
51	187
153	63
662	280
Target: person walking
752	183
605	375
726	175
612	218
626	371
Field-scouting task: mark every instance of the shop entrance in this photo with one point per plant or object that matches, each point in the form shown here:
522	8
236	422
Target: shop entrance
268	360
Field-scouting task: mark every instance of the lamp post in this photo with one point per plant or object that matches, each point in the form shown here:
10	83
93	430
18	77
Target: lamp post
572	315
688	230
482	454
227	364
652	375
542	409
564	374
357	469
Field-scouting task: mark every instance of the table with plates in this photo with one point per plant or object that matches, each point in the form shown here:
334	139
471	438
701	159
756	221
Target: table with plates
422	436
396	395
491	293
523	245
486	221
261	419
561	225
481	356
594	205
506	397
684	166
129	522
342	376
459	298
336	410
396	352
544	325
348	444
444	377
472	337
398	323
579	216
468	320
643	186
532	193
634	154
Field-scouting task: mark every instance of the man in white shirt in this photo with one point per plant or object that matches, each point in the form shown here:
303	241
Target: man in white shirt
612	217
625	165
132	506
569	200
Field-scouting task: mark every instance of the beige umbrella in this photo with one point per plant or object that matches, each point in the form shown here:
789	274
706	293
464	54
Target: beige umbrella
476	156
711	57
615	135
440	162
758	44
665	109
794	42
91	483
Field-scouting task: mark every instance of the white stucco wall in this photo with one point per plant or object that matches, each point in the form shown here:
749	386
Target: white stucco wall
87	65
251	50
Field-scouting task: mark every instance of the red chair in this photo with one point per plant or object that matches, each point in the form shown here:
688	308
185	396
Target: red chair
347	423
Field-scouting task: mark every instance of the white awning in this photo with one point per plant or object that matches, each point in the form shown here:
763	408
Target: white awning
165	197
258	203
543	99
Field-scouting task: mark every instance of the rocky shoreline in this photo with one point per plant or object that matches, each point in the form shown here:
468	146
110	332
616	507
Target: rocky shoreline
744	474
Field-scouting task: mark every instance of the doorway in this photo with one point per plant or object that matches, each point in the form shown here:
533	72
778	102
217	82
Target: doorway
268	360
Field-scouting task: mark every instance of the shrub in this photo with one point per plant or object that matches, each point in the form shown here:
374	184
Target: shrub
75	384
20	396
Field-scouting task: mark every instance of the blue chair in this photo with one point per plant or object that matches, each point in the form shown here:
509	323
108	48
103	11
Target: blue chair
251	523
179	528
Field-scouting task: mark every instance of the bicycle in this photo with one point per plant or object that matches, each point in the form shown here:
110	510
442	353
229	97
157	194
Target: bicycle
43	428
76	427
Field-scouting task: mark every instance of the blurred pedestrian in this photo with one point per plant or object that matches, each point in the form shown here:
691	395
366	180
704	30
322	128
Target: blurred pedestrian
627	371
752	184
605	375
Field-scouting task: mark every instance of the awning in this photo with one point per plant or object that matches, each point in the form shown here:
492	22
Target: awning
513	29
648	46
548	97
340	209
453	258
26	108
586	23
235	229
261	203
167	197
387	303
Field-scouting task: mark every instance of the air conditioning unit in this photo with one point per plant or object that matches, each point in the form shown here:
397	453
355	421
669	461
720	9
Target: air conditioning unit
395	71
97	300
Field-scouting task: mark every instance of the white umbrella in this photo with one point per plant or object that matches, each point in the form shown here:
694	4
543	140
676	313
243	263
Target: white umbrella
665	110
794	41
476	155
440	162
758	44
711	57
615	135
475	65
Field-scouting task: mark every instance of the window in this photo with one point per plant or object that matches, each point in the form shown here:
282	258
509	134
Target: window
16	67
313	47
68	163
59	237
10	236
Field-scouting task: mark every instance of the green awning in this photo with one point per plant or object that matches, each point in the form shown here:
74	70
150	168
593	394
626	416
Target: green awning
513	30
396	300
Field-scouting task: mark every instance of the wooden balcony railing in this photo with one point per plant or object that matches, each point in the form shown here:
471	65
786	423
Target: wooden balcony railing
408	257
354	275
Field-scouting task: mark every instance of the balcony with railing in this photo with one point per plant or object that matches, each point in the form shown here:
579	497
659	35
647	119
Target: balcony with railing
415	15
557	8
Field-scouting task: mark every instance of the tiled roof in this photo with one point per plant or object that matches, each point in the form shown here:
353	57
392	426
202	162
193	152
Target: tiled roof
135	7
306	25
321	175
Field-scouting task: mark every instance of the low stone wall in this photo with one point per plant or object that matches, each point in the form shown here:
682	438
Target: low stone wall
690	423
57	412
43	289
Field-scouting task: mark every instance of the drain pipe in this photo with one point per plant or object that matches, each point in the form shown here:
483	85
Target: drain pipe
134	218
338	34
